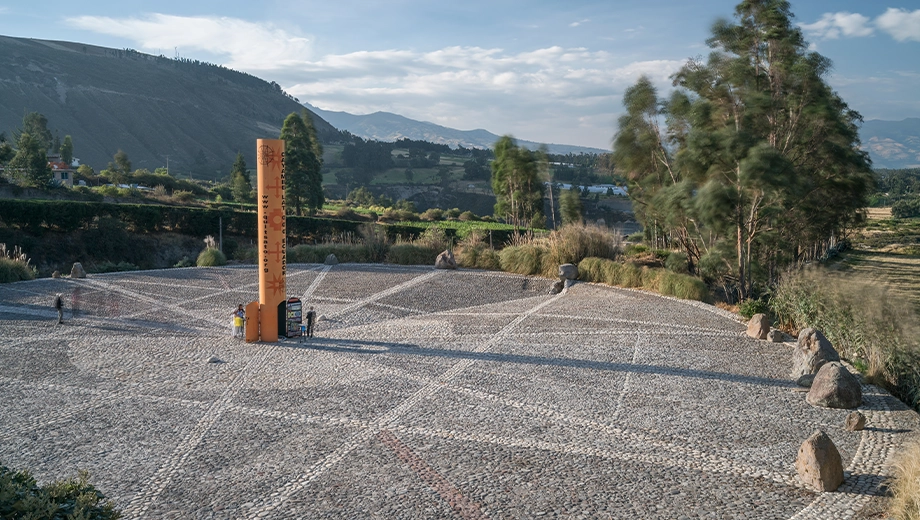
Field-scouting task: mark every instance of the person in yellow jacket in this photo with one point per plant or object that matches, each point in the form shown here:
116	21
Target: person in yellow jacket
239	319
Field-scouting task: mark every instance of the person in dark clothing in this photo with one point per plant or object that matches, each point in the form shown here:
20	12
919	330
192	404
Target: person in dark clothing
311	317
59	305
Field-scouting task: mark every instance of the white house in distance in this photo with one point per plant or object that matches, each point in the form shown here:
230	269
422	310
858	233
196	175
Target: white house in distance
63	172
597	188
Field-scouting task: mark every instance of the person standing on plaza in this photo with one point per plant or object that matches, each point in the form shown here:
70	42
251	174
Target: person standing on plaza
311	317
59	306
239	318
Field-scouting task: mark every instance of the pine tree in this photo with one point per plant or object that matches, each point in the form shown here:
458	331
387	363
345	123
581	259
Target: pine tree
30	164
240	182
303	164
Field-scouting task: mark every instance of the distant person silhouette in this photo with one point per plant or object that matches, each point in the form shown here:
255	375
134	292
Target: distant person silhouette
311	317
59	305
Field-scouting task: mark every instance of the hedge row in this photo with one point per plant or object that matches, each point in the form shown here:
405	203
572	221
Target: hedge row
34	216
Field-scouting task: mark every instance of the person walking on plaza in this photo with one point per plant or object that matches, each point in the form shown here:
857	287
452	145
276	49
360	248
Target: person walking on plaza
59	305
239	318
311	317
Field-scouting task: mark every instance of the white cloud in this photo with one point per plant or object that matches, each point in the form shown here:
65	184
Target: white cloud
250	46
901	24
538	94
576	24
835	25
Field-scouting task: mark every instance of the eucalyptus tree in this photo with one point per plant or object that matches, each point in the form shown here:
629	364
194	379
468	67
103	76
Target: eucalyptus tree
516	184
753	162
240	182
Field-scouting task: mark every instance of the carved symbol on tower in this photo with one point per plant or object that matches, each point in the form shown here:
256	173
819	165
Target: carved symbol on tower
276	284
276	219
277	187
277	252
266	155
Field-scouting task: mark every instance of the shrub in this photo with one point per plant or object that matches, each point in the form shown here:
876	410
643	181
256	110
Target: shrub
183	196
468	216
185	262
473	252
861	319
112	267
906	208
14	265
610	272
571	244
676	262
211	258
22	498
411	254
682	286
346	213
748	308
905	488
522	259
432	215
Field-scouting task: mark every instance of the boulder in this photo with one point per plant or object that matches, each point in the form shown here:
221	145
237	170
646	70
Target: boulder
835	387
818	463
331	260
759	326
568	272
445	260
778	336
811	352
77	271
56	274
557	287
805	380
855	422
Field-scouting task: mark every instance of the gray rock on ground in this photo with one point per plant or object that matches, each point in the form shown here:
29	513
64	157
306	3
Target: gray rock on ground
835	387
759	326
77	271
778	336
805	380
56	274
331	260
855	422
445	260
568	272
818	464
811	352
558	286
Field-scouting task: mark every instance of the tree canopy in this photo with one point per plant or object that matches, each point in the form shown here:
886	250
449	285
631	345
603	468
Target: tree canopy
516	184
30	164
303	157
753	162
240	182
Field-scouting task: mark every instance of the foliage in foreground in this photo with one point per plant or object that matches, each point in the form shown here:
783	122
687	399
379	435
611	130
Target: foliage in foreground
867	324
905	488
21	498
626	274
543	255
14	265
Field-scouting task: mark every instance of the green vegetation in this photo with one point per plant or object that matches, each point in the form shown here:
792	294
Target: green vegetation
21	498
868	326
14	265
240	182
303	156
755	145
517	188
211	256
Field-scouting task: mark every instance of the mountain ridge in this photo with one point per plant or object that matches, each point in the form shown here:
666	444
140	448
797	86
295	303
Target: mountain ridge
387	126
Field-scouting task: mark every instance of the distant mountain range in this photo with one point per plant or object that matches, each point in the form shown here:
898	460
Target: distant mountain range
892	144
385	126
194	115
197	115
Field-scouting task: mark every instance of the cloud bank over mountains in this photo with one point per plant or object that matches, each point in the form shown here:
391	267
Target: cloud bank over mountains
900	24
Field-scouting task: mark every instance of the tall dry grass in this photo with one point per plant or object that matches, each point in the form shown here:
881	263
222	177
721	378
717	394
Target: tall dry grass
867	324
905	487
14	265
542	255
626	274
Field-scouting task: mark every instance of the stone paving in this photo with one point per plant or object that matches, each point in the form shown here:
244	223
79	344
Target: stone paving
425	394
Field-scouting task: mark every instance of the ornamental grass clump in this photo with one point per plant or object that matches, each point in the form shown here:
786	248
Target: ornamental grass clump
211	256
14	265
474	252
905	487
867	324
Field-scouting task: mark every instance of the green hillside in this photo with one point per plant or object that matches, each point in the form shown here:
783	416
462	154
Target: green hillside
151	107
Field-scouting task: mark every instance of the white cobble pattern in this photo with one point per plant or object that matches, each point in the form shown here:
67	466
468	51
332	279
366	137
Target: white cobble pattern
425	394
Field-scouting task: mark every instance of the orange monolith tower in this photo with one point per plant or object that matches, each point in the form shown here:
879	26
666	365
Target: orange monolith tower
272	237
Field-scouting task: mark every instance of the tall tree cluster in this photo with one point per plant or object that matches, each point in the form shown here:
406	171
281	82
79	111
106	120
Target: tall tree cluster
240	182
303	156
753	162
516	184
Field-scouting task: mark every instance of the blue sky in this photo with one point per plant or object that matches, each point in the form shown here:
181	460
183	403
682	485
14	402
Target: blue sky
542	71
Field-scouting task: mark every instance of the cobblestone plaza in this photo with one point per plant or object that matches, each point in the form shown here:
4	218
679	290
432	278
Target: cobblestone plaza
425	394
